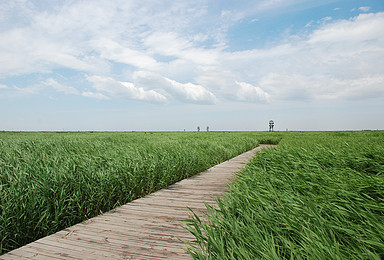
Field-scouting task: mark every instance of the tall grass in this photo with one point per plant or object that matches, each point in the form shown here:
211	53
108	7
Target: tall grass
316	196
49	181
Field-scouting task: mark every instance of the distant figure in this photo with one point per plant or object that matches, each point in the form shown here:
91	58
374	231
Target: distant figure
271	125
207	128
198	129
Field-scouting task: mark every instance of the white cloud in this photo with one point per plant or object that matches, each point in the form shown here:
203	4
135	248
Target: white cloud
88	35
326	64
365	8
220	79
254	20
182	52
355	89
40	89
191	92
296	87
321	87
248	92
272	4
167	43
60	87
309	24
325	19
361	28
172	45
55	35
34	89
163	49
24	51
187	92
111	50
124	90
95	95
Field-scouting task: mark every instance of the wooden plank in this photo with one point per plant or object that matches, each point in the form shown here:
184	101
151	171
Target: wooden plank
95	250
32	251
126	233
73	251
191	192
133	238
13	255
173	204
173	232
148	213
116	248
152	210
169	199
185	195
173	201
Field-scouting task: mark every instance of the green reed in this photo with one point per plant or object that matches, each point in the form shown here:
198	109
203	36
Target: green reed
318	195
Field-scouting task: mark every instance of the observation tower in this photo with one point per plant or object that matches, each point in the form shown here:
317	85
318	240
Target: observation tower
271	125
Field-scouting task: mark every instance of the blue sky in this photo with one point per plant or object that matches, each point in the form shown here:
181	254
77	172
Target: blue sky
175	65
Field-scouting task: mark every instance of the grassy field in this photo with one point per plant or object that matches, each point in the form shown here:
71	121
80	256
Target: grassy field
49	181
318	195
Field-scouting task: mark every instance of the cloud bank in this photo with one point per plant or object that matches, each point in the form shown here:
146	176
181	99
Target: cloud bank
185	92
123	90
134	53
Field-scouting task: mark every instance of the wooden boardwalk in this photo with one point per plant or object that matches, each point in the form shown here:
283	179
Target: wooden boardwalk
146	228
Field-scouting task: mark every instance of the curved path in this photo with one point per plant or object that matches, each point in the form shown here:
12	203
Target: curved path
146	228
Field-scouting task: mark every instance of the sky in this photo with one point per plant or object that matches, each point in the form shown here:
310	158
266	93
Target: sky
163	65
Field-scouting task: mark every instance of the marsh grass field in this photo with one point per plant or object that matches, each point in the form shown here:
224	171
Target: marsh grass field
317	195
49	181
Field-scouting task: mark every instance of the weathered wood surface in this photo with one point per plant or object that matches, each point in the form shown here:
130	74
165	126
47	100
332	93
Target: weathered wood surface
146	228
